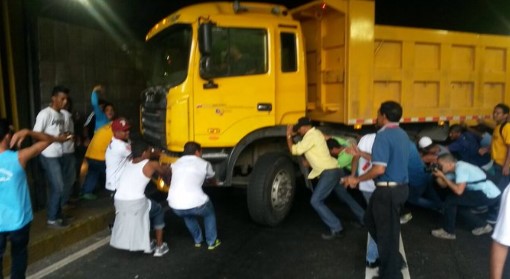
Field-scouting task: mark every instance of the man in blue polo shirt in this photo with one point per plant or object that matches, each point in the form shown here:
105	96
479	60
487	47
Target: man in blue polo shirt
390	157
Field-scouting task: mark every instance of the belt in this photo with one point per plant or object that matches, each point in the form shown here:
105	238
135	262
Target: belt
387	184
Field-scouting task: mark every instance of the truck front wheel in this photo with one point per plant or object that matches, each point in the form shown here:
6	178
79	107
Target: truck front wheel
271	189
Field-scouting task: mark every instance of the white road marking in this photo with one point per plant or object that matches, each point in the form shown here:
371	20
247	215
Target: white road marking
371	272
54	267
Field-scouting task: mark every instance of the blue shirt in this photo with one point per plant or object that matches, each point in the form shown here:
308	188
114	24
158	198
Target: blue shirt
466	149
101	118
15	206
417	174
467	173
391	149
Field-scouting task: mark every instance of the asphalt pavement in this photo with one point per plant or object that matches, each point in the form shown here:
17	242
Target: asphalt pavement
293	249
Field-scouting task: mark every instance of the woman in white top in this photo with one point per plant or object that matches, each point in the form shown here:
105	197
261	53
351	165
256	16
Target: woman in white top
133	210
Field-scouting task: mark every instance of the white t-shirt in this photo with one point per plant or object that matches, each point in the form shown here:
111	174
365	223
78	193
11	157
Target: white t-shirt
68	146
132	182
188	175
365	145
501	232
51	122
115	159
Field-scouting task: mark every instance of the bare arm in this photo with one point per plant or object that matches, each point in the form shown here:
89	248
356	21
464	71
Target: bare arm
289	138
458	189
25	154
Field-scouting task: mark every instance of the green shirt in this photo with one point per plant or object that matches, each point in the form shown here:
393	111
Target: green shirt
344	159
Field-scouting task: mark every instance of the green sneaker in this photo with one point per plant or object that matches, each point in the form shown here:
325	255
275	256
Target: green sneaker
89	197
216	243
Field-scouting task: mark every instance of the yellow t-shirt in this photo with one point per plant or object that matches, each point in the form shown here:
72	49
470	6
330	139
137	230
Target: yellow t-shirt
499	144
314	147
99	143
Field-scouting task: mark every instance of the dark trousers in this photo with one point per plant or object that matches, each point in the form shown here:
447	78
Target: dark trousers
19	253
462	205
382	219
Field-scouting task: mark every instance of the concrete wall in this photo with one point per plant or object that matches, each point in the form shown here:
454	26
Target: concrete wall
79	58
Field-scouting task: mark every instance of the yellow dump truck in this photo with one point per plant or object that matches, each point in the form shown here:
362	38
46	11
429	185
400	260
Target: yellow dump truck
231	76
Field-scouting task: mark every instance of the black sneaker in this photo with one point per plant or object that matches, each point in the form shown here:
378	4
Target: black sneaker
333	235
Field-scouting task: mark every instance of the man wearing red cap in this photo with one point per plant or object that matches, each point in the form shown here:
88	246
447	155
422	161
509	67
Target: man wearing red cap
117	152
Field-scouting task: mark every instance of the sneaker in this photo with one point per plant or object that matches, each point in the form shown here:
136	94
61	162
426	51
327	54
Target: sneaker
333	235
482	230
198	245
375	264
161	250
479	209
89	197
152	247
440	233
216	243
56	224
406	218
66	218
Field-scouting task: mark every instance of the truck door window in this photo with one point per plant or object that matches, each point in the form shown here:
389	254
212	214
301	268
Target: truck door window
288	52
239	51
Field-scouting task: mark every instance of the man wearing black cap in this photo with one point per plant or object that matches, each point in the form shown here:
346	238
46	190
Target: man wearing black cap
313	146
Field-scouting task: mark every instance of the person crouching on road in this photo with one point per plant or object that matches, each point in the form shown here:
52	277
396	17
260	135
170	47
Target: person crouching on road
471	188
15	206
186	197
313	146
133	210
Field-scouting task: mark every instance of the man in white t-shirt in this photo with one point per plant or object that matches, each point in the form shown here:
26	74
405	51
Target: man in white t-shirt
117	152
361	163
501	238
186	197
51	121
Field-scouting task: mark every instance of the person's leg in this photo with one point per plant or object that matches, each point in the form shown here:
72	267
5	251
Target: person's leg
328	180
450	213
497	260
372	253
354	206
69	174
19	252
191	223
157	217
92	177
207	212
56	184
469	200
3	243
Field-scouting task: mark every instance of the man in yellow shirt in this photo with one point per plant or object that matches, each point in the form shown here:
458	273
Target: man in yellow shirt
313	146
95	156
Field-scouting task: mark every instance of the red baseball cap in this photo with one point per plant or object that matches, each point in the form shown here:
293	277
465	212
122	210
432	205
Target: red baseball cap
120	124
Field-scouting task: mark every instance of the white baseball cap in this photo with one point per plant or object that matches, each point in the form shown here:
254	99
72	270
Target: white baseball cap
425	142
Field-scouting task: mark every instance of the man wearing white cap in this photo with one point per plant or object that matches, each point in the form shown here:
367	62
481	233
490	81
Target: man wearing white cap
430	150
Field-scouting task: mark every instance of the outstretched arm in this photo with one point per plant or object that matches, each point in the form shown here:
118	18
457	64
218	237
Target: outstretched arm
25	154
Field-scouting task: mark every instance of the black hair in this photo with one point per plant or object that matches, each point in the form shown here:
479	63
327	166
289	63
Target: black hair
107	104
332	143
138	147
4	128
59	89
503	107
392	110
456	128
191	147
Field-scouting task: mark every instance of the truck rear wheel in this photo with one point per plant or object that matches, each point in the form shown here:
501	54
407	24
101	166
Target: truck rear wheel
271	189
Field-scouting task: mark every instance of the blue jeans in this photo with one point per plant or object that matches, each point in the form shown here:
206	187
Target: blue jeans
53	169
157	215
372	252
69	175
190	219
19	252
353	205
423	194
327	182
501	181
97	170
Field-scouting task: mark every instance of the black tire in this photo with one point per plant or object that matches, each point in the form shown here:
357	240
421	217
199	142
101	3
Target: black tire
271	189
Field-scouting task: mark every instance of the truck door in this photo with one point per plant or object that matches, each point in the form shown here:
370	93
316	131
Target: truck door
240	97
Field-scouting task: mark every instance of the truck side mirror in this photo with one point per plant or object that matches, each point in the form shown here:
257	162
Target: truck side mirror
205	48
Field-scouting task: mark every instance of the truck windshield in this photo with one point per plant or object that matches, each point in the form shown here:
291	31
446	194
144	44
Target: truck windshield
167	56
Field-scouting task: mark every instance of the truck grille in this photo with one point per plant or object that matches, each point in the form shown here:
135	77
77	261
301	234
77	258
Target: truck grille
153	115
